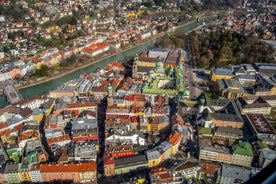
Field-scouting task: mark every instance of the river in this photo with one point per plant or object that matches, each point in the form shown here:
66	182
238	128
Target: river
48	86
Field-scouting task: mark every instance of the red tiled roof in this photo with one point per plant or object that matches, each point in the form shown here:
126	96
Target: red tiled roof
209	168
175	138
80	167
58	139
108	159
95	47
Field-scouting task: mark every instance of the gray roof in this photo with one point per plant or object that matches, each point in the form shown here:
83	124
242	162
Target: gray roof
269	154
226	117
11	168
229	130
235	173
130	161
153	154
223	71
84	123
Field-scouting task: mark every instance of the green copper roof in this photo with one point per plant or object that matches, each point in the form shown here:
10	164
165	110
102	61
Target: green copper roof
205	131
243	148
261	145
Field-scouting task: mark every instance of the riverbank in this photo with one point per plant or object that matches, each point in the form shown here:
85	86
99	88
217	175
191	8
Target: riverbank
91	61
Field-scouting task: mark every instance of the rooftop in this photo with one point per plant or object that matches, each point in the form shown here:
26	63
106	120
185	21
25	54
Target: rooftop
260	124
78	167
209	168
243	148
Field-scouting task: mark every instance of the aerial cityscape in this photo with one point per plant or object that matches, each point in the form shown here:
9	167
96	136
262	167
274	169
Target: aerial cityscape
137	91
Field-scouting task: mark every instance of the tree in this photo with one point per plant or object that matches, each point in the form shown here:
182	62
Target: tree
42	71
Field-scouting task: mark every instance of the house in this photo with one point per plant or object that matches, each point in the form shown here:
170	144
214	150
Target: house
109	167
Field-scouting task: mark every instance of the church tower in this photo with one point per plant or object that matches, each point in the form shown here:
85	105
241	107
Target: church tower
134	67
109	96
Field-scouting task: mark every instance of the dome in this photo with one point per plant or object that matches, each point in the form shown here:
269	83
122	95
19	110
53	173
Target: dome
109	88
186	93
151	72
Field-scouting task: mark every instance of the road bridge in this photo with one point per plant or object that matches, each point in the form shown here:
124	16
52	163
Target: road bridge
12	94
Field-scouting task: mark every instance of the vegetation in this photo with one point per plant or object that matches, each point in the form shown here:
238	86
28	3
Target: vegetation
172	41
220	48
16	11
42	71
60	22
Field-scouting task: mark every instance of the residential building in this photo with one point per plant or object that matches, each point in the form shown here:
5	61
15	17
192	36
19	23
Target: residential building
34	173
160	175
261	128
11	173
187	169
23	171
209	172
230	88
78	172
271	100
175	141
120	150
227	135
109	166
133	137
258	106
266	157
84	129
84	151
221	73
214	153
242	154
234	174
126	164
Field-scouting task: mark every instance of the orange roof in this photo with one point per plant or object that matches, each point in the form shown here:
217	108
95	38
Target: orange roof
28	134
95	47
81	167
108	159
58	139
3	125
175	138
209	168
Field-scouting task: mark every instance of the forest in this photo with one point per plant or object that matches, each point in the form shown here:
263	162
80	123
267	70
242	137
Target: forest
220	48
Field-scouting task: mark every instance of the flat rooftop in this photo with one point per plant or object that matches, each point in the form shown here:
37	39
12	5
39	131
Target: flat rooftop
260	124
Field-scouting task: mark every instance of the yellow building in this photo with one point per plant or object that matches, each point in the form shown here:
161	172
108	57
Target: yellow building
230	88
221	73
24	175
